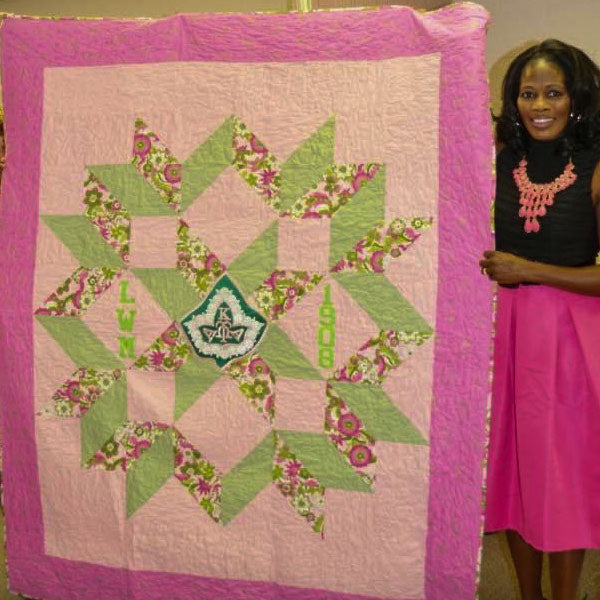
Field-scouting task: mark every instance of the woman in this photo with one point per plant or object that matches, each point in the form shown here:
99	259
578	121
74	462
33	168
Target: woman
544	460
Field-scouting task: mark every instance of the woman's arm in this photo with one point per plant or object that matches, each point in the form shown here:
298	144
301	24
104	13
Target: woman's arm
509	269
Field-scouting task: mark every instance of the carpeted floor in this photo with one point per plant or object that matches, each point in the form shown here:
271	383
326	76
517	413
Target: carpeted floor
4	593
498	581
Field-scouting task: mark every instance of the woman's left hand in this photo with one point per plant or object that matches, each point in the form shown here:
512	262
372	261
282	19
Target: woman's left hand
504	268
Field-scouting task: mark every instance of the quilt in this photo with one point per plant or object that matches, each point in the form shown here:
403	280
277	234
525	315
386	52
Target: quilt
245	341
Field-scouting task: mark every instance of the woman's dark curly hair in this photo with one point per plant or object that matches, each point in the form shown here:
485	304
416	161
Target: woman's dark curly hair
582	79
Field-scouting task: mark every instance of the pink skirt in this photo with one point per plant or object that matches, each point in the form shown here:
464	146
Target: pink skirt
544	458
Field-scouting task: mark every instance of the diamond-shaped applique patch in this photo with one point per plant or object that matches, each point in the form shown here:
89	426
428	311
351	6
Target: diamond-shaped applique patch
224	327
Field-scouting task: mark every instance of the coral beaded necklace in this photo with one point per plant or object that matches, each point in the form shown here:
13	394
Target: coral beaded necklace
534	197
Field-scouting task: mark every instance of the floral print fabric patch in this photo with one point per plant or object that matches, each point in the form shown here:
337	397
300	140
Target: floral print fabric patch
156	164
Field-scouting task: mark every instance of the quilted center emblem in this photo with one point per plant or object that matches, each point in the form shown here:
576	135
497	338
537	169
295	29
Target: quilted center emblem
223	326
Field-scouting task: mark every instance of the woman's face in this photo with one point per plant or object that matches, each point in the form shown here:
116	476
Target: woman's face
544	103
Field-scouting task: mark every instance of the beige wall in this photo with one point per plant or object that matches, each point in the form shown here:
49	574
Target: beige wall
160	8
136	8
515	23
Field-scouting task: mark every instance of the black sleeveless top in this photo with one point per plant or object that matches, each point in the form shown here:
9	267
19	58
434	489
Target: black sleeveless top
568	234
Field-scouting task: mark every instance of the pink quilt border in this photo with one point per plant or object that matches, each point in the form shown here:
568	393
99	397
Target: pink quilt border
457	33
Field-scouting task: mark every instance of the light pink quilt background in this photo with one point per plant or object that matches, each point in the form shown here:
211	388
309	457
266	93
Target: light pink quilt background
386	111
45	63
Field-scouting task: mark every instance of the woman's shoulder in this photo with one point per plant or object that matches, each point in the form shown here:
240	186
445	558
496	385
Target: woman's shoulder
588	156
587	163
590	160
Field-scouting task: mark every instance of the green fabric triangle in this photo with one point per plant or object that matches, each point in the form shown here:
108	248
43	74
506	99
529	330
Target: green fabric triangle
382	302
321	458
98	424
79	342
306	166
126	184
257	262
284	357
83	240
170	290
249	477
149	473
378	414
206	163
192	379
364	211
